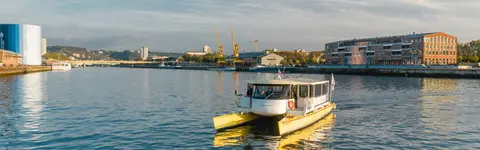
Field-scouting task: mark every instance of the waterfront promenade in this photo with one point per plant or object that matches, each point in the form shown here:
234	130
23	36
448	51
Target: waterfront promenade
4	71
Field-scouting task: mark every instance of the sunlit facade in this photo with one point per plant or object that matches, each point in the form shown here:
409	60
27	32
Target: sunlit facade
424	48
23	39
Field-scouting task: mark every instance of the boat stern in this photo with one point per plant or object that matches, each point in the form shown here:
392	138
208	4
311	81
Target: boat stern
233	120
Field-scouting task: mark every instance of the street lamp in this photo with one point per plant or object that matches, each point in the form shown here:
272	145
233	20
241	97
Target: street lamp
256	44
1	37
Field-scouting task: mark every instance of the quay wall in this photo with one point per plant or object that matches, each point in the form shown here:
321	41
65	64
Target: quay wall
417	71
423	72
4	71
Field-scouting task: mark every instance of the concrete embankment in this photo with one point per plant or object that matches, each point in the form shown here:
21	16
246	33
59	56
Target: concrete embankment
4	71
424	72
412	72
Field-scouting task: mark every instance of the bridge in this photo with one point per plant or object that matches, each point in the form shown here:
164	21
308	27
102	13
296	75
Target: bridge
105	62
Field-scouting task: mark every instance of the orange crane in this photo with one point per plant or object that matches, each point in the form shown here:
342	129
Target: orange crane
235	46
220	46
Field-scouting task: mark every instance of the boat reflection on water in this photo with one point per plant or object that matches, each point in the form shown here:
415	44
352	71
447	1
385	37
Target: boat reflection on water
232	137
247	136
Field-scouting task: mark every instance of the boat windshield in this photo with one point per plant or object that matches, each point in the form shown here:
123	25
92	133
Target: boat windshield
272	92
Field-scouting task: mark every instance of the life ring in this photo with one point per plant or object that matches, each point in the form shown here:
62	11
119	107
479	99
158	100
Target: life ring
291	104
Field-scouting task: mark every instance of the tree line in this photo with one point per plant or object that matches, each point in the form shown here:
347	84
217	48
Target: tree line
207	58
290	57
469	52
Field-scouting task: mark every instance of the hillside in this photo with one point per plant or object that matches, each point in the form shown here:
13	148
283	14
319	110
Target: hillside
79	53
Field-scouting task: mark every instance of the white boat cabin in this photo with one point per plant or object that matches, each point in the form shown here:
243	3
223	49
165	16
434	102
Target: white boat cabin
297	96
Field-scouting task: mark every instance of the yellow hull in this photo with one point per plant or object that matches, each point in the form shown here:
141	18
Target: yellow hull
232	120
288	125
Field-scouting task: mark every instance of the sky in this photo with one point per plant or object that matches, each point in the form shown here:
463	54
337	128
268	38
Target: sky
180	25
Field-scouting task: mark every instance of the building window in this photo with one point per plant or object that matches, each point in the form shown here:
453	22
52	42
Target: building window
348	54
396	53
387	47
406	46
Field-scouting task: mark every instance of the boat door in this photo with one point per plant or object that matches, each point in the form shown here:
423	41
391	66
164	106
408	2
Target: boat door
246	100
303	97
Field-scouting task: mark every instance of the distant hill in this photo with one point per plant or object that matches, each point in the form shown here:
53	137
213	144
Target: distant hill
79	53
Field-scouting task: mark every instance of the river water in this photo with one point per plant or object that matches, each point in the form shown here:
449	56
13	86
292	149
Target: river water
122	108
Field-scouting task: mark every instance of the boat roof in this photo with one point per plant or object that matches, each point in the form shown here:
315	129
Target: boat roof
290	81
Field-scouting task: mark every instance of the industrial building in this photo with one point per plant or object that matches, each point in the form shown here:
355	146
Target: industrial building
412	49
144	53
9	58
23	39
44	46
259	58
206	50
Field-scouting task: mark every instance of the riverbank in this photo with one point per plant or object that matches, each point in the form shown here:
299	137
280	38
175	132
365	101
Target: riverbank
420	72
5	71
377	71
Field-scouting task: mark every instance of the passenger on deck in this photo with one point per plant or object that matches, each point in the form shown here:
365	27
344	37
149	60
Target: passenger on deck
269	92
249	90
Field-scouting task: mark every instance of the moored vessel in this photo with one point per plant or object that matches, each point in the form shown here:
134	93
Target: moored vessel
61	66
230	69
291	103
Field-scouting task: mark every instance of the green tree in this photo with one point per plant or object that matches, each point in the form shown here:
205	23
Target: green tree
181	59
472	59
284	62
460	59
290	61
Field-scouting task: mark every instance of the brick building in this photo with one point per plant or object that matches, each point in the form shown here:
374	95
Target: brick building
424	48
9	58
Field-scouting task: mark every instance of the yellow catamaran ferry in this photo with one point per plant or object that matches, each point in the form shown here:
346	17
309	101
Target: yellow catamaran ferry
295	102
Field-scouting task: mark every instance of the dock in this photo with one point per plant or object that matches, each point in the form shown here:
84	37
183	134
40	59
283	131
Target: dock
5	71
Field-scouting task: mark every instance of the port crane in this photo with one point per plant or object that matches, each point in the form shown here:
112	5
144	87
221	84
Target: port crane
220	46
235	46
235	49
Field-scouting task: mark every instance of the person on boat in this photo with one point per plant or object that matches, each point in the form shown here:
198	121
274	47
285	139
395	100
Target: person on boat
269	91
249	90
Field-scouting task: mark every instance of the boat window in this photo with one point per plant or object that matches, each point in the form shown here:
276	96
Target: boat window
318	90
303	91
294	91
324	89
272	92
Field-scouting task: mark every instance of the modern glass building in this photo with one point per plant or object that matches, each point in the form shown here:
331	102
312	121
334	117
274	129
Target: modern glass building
24	39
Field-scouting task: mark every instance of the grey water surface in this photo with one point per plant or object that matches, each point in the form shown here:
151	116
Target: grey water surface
123	108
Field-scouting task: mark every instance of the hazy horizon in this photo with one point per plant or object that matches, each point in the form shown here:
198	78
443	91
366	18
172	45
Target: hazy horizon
175	26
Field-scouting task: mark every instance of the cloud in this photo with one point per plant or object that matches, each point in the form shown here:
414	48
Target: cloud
189	24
